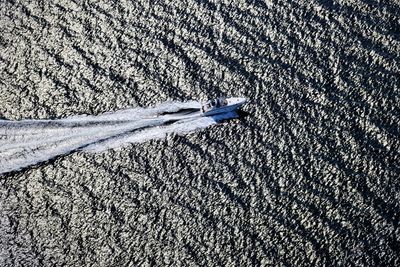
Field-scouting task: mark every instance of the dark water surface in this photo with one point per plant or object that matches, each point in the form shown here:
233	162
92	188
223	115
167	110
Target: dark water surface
309	178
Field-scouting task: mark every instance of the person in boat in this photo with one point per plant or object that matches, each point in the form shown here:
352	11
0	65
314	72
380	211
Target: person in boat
215	103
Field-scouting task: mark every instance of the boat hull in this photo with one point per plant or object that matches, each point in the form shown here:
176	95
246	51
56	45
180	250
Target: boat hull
233	104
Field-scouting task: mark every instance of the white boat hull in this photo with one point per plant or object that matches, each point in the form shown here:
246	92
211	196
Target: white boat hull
233	104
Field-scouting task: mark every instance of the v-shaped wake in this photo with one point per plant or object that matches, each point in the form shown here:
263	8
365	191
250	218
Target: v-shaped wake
28	142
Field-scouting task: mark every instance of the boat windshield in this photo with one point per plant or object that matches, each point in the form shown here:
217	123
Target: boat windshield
221	102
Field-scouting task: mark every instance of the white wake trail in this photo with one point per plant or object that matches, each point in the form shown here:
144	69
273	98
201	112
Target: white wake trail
28	142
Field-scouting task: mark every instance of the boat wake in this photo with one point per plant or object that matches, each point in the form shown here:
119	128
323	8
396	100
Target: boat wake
28	142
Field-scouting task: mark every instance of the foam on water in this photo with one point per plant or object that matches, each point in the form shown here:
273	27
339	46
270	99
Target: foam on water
27	142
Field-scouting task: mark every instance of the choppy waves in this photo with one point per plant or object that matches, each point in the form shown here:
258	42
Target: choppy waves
309	179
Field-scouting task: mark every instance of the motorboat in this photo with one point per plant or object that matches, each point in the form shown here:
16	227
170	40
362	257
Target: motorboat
221	105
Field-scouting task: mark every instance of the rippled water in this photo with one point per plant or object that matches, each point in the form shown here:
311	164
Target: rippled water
309	177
